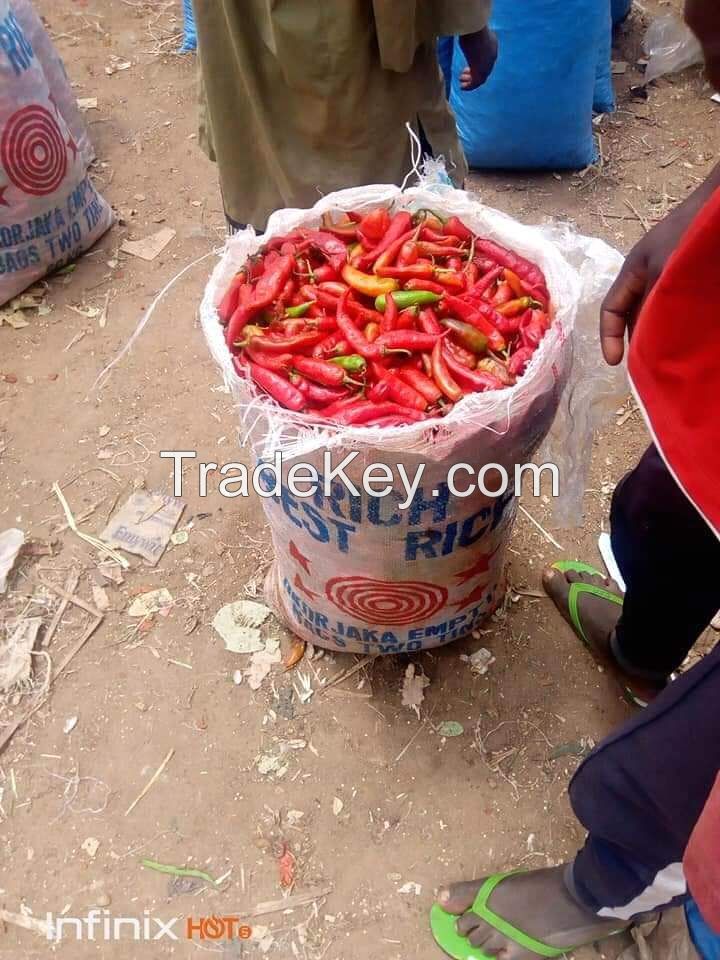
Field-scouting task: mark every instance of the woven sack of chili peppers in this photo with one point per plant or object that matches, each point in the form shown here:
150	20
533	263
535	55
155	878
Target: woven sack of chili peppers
50	212
382	575
535	111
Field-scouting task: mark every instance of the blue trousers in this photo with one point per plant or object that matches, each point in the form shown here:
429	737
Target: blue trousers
640	793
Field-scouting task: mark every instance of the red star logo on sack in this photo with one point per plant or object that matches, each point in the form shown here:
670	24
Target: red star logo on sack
299	557
475	596
481	565
310	594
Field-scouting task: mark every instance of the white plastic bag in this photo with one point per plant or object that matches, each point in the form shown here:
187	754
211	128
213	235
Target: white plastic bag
671	46
50	211
358	573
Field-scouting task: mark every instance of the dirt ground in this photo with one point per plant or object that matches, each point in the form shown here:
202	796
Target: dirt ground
415	808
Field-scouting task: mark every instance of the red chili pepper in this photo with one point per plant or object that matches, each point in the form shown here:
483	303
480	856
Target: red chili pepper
343	231
408	254
371	331
339	405
405	340
390	316
466	357
497	369
472	274
290	328
373	226
517	364
413	271
300	341
379	391
450	279
324	273
441	374
407	318
475	313
514	307
393	421
531	335
333	249
229	303
334	287
428	321
475	380
328	374
321	396
271	361
503	294
400	391
430	235
365	410
467	335
484	283
329	344
525	269
358	343
266	290
286	294
319	320
518	287
279	389
454	227
363	314
388	257
422	384
508	326
438	250
400	226
425	285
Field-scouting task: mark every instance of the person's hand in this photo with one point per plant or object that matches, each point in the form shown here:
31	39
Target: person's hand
480	51
640	272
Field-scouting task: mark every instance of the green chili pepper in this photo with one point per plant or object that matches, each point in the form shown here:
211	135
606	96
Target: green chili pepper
408	298
300	310
467	335
353	362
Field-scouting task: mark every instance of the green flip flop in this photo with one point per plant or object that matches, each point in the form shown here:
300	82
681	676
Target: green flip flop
444	928
578	589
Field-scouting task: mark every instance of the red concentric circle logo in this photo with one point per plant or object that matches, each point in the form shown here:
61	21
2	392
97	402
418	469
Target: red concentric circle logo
386	602
33	151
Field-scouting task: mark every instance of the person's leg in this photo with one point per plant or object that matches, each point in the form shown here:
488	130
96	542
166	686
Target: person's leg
647	637
654	529
639	795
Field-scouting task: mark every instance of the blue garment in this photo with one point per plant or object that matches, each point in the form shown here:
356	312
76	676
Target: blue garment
604	98
620	10
707	942
535	111
189	33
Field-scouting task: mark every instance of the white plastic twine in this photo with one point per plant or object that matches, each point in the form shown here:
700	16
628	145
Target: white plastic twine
146	317
415	156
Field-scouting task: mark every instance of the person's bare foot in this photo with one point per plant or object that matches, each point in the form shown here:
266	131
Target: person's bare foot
599	617
536	902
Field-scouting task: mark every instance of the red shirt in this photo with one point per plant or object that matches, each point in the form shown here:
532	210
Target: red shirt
674	363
